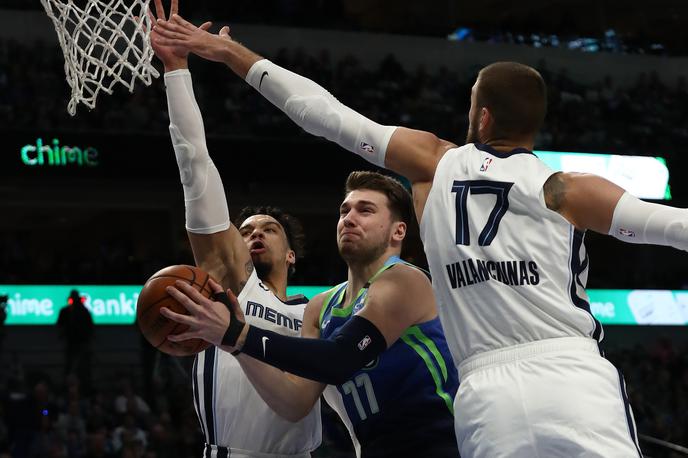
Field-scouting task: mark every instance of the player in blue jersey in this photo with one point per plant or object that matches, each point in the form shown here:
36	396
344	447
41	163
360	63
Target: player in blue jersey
374	344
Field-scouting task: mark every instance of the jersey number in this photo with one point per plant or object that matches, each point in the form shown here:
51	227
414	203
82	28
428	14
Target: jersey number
462	188
362	380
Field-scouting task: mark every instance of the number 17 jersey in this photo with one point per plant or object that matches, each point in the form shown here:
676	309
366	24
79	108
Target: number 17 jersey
505	269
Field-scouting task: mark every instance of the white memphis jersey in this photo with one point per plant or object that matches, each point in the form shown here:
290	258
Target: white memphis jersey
231	412
505	269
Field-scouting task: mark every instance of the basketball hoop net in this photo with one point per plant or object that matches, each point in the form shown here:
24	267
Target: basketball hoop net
103	44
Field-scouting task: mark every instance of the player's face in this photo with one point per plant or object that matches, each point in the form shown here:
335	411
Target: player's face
365	226
473	117
267	243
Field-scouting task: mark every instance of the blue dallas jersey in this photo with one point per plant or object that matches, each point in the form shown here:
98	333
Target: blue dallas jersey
401	404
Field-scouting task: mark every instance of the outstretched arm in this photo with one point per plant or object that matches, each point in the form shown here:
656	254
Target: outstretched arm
398	299
217	245
592	202
413	154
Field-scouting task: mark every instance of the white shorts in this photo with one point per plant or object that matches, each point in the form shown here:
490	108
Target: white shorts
552	398
216	451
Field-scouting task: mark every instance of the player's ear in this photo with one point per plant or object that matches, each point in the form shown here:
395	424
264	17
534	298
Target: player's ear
399	233
485	123
291	257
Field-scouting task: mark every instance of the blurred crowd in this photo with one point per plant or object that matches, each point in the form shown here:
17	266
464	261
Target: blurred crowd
120	417
646	118
140	414
657	382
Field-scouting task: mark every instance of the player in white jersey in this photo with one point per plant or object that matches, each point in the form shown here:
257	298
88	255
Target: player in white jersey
504	238
254	260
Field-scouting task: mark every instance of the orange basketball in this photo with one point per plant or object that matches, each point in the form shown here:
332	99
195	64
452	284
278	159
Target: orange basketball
156	327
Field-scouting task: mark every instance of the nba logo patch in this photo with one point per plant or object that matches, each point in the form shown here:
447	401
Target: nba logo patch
367	147
486	164
364	343
626	232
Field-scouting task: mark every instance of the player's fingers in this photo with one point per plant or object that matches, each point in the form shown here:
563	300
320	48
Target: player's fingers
161	41
232	297
151	16
167	33
182	336
159	9
224	32
174	7
177	19
205	25
192	293
176	317
215	287
182	296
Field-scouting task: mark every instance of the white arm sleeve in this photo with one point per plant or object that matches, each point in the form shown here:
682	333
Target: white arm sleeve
635	221
204	195
316	111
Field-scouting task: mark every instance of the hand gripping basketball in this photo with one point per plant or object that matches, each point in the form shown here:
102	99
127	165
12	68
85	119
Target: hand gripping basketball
208	319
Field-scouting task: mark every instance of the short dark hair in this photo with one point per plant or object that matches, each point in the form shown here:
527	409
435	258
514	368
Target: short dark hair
292	226
400	201
516	96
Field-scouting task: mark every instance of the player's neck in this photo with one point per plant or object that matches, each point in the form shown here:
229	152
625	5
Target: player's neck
360	273
278	286
504	145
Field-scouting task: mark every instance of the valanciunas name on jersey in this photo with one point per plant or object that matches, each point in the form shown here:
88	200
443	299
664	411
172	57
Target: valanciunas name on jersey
472	271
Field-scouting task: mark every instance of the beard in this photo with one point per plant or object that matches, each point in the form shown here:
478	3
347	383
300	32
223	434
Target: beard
263	268
361	255
472	135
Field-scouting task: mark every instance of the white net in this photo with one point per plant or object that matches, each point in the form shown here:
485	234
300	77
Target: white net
103	44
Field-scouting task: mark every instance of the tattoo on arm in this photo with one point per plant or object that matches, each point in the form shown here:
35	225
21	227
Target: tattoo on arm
555	192
249	270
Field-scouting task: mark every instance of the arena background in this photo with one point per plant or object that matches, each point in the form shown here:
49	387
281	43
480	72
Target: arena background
616	75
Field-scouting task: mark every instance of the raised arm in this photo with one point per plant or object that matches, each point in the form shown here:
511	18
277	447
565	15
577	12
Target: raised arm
592	202
217	245
411	153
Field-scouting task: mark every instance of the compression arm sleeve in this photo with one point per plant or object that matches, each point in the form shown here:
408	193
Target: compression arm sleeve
635	221
204	195
316	111
330	361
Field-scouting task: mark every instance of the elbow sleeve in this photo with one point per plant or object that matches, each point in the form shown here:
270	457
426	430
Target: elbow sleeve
635	221
319	113
204	195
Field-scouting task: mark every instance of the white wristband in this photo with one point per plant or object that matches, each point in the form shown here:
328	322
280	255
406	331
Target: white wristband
204	195
635	221
319	113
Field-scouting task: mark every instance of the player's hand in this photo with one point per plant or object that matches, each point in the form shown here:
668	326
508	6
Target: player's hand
208	319
179	33
172	57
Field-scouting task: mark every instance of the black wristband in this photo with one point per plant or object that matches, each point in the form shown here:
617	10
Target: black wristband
235	326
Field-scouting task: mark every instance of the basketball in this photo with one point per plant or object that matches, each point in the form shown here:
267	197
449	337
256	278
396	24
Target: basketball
156	327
